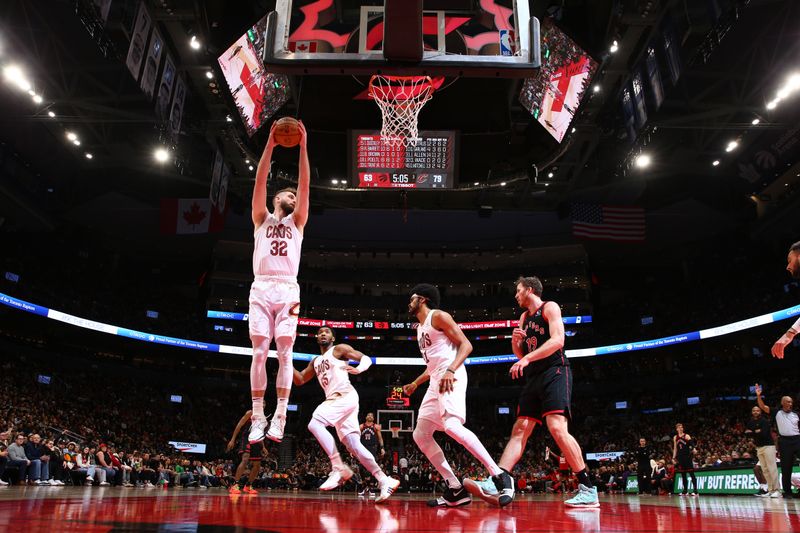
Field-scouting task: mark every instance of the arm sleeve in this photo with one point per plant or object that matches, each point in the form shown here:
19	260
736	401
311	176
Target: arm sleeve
796	325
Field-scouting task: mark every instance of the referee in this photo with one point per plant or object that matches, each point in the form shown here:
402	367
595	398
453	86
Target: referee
788	423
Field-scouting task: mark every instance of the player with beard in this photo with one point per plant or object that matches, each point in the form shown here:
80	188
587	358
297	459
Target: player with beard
275	294
793	266
444	348
340	410
538	343
372	440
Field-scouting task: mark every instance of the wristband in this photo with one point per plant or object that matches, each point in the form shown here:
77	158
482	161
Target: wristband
451	371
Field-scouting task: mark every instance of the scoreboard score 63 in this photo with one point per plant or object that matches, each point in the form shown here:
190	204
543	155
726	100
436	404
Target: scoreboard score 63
428	164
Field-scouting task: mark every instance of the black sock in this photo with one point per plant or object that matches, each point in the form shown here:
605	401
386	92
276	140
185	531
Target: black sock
242	481
583	478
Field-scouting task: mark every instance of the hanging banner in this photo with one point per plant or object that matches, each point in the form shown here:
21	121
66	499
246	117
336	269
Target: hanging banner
165	89
136	52
176	113
151	64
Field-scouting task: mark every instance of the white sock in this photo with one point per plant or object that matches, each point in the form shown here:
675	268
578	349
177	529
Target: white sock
454	428
258	406
280	409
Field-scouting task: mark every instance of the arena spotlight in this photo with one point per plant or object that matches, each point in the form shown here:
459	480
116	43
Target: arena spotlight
14	74
715	162
194	43
550	174
76	142
37	99
209	75
71	136
89	156
614	47
250	168
335	181
476	184
755	121
228	118
596	88
732	146
772	105
161	155
502	183
643	160
51	114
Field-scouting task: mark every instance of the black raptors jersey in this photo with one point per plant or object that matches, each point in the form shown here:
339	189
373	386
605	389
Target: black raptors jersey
369	437
537	332
683	450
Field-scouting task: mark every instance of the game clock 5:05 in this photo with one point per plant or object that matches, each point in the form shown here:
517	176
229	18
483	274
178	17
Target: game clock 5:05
402	180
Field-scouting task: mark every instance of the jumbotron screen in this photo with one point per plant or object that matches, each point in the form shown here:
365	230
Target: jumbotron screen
430	164
258	94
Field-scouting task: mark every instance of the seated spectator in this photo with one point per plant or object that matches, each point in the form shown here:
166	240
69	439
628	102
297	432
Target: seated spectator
659	474
57	471
86	465
17	457
3	456
39	467
103	461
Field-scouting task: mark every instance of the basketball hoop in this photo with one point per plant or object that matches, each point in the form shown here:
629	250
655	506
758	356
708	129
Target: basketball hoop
400	99
395	432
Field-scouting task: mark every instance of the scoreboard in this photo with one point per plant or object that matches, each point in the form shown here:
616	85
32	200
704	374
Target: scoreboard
397	399
430	164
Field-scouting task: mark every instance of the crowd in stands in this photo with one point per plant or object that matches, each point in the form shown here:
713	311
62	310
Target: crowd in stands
102	423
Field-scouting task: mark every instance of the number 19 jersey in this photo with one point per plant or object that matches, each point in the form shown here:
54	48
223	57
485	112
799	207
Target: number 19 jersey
277	248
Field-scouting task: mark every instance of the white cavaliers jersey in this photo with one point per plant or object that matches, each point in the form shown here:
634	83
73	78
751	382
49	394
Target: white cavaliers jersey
332	374
277	248
436	348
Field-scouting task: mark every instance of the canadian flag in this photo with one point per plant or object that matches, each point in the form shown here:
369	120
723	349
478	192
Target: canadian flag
185	216
308	47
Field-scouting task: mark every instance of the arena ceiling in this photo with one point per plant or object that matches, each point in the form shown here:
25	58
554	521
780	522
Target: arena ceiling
731	67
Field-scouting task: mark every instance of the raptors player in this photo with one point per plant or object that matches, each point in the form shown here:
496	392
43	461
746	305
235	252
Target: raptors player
372	440
538	343
444	407
275	295
340	410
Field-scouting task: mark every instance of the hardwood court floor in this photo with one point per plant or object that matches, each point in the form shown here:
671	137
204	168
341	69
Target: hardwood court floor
191	510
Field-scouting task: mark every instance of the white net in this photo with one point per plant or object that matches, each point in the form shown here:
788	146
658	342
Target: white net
400	99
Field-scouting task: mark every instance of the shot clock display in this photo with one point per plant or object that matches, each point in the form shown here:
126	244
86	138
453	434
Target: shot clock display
397	399
430	164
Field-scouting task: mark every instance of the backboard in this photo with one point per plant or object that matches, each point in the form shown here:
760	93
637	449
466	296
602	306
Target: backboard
473	38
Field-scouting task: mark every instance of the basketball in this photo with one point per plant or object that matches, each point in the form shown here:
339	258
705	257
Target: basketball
287	132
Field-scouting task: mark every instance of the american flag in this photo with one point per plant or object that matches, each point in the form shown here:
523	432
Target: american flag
608	222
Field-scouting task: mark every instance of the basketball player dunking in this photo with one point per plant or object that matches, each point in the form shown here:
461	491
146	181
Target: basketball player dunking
275	295
372	440
538	343
340	410
444	348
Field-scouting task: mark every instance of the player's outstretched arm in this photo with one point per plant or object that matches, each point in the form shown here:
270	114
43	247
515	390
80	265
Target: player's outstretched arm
302	377
303	181
242	421
259	207
345	351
